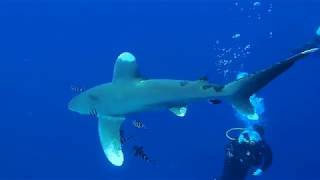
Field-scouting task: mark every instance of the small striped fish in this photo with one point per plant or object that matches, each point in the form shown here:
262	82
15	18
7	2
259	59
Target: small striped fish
123	138
76	89
138	124
139	153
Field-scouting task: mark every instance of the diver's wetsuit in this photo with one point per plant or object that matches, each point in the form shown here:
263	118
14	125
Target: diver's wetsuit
240	159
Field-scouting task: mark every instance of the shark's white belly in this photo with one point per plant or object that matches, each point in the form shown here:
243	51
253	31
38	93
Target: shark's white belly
147	95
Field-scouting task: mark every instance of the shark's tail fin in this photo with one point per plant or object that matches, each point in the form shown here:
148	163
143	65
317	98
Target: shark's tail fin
314	43
240	90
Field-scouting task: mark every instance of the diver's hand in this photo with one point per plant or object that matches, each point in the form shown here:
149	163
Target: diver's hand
258	172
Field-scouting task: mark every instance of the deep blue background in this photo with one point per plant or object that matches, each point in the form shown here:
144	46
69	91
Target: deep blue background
45	47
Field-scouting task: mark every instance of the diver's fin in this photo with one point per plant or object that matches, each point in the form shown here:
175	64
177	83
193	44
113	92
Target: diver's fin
126	68
180	111
240	90
109	133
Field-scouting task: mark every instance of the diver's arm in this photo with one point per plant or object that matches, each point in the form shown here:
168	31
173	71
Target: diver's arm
267	158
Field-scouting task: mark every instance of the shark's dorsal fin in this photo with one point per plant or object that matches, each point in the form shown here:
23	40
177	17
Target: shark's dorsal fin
125	68
109	133
180	111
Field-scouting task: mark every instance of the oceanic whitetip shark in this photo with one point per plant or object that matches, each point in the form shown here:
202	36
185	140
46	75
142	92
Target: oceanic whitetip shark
129	93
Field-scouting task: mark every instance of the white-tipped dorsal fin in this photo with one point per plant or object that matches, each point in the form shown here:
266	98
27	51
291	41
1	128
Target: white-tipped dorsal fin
126	68
180	111
109	133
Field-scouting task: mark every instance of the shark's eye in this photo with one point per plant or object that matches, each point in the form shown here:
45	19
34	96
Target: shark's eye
93	97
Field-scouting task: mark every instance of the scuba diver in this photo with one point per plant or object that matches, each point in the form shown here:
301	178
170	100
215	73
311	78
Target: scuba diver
249	153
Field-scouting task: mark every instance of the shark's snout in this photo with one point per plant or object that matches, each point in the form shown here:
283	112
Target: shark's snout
79	104
82	104
72	104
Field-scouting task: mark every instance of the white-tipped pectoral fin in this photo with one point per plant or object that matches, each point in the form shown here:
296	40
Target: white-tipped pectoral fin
109	133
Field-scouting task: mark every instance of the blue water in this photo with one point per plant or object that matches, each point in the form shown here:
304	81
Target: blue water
48	46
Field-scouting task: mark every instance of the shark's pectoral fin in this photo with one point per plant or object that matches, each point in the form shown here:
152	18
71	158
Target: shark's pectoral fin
180	111
109	133
126	68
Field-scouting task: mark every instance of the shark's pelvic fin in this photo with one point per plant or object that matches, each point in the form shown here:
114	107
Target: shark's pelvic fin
180	111
126	68
109	133
240	90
